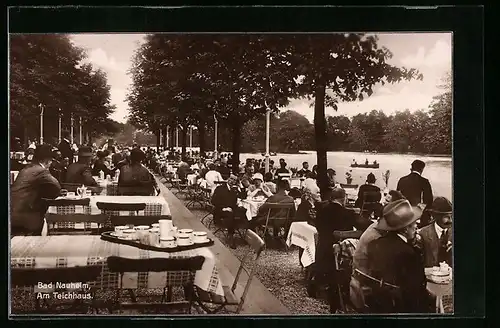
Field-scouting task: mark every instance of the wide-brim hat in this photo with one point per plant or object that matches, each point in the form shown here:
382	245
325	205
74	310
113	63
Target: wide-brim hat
397	215
85	152
441	205
258	176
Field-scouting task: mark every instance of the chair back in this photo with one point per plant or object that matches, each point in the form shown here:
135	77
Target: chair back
136	220
142	190
67	202
27	277
62	221
369	198
256	247
280	211
132	207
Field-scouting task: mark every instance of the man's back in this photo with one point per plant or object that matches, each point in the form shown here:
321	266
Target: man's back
135	176
360	255
80	173
416	189
224	197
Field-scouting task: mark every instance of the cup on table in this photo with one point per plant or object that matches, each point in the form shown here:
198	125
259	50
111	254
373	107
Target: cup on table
142	233
70	194
64	192
165	228
154	236
129	234
183	239
88	193
188	232
167	241
200	237
119	230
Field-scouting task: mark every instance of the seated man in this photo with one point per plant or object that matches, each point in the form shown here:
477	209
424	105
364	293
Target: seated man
436	239
395	271
100	166
280	197
135	178
33	183
369	193
304	170
58	167
80	172
226	210
332	215
258	188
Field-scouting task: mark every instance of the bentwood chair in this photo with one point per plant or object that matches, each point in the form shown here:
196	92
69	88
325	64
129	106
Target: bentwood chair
184	267
279	215
29	277
370	203
212	303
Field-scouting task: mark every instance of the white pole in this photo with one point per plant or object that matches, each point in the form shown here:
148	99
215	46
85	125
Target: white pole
268	123
161	139
60	125
80	131
168	136
190	138
41	123
176	138
216	143
71	130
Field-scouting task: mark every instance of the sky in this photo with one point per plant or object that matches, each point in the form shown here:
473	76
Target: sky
430	53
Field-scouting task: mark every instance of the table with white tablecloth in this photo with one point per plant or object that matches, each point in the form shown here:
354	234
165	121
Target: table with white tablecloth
109	187
252	206
82	250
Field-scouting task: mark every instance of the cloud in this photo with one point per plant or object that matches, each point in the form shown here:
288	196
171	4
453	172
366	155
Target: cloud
118	98
438	56
100	58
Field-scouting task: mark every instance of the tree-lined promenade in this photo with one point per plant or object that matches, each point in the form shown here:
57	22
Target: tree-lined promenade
183	80
49	72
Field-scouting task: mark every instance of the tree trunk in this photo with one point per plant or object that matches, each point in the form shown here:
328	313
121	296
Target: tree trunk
236	144
201	137
157	134
164	135
184	140
172	138
320	136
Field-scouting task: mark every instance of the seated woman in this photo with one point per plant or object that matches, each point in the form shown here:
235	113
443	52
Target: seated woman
268	181
135	178
369	193
258	188
306	211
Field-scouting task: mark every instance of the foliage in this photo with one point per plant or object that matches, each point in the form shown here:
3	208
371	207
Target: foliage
48	69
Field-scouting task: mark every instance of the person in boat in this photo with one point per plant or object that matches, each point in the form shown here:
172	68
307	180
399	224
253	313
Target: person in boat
374	162
366	161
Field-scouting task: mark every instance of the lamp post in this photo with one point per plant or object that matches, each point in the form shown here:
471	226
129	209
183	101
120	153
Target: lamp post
190	138
168	136
268	123
216	137
41	123
176	138
80	131
60	125
71	137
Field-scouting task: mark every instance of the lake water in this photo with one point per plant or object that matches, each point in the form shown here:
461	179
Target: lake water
437	169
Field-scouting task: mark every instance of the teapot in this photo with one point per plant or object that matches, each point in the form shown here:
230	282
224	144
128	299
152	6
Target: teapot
81	191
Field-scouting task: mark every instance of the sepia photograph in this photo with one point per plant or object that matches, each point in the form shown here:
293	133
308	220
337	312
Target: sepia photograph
175	174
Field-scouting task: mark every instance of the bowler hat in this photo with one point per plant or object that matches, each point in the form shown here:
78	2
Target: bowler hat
397	215
43	152
442	205
85	151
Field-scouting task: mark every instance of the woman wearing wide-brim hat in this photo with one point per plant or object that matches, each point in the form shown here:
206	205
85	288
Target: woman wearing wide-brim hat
395	267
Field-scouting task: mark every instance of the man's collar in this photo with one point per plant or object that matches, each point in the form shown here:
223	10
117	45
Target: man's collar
417	172
42	165
403	238
439	230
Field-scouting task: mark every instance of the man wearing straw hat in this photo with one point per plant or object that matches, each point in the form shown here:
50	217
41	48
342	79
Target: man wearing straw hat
395	268
436	239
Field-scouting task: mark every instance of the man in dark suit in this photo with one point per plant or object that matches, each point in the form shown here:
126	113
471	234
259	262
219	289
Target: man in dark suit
331	215
436	239
417	189
135	178
58	167
33	183
80	172
395	268
100	166
65	147
369	193
304	170
226	209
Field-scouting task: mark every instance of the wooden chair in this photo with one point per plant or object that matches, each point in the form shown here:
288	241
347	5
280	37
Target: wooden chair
195	195
279	215
116	207
29	277
205	299
57	223
370	200
124	265
136	220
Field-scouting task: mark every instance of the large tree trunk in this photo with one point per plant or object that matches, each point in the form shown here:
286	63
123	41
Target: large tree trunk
236	144
184	140
201	137
157	134
164	135
320	135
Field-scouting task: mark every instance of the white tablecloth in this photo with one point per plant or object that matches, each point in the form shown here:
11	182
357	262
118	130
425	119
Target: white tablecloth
68	251
252	206
303	235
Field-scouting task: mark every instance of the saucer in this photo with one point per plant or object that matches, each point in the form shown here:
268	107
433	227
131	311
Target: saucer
188	244
202	241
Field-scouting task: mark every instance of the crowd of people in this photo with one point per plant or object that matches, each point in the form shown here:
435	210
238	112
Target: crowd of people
400	233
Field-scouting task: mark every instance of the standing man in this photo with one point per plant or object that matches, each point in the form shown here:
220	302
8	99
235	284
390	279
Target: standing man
417	189
65	147
33	183
304	170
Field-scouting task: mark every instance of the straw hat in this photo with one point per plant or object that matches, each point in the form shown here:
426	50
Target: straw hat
258	176
397	215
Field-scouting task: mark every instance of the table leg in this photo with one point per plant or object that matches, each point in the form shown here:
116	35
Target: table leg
441	306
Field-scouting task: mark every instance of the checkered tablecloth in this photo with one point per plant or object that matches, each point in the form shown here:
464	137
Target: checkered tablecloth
155	205
70	251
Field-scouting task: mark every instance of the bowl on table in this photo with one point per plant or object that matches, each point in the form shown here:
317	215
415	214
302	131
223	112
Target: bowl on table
184	239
